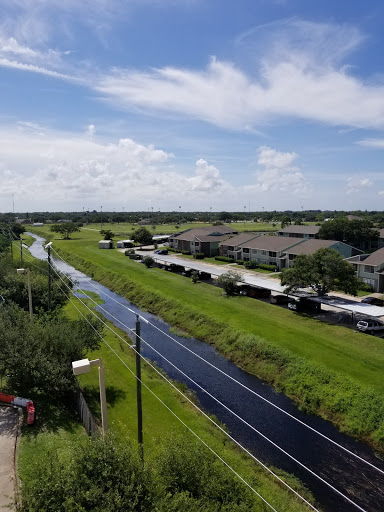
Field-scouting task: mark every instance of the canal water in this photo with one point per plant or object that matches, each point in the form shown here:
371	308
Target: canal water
361	483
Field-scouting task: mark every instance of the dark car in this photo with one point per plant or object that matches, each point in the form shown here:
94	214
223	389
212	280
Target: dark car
278	299
304	305
173	267
256	292
161	251
374	301
204	276
188	272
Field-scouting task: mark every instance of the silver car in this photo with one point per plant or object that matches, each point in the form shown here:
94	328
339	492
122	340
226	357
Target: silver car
370	326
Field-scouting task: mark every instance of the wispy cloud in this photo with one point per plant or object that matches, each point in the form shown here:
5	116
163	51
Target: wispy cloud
372	143
355	185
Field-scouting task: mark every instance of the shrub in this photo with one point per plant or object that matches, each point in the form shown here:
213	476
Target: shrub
365	287
187	253
224	258
250	264
129	251
199	255
272	268
148	261
229	281
239	262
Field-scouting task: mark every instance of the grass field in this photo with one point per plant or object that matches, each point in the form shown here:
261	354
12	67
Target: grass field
125	229
353	355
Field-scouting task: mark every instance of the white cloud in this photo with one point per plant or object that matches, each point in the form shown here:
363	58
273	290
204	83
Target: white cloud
90	131
207	178
357	184
278	174
372	143
65	169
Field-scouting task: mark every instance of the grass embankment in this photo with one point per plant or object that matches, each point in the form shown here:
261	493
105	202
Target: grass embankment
329	370
55	435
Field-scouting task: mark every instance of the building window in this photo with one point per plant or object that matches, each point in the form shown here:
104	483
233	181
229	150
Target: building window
272	254
263	253
246	251
369	269
371	282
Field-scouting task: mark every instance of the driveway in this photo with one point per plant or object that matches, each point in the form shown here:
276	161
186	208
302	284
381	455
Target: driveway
9	419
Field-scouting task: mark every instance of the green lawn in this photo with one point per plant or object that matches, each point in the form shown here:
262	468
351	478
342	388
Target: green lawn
359	356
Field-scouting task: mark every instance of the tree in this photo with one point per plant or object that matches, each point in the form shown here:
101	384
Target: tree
142	236
148	261
323	271
285	221
108	234
65	229
356	232
229	281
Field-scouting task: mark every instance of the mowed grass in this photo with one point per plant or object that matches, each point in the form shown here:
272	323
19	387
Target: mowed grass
125	229
356	355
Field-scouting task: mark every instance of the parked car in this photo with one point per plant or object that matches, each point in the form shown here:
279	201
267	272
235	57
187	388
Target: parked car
278	299
374	301
173	267
370	326
188	272
204	276
161	251
304	305
256	292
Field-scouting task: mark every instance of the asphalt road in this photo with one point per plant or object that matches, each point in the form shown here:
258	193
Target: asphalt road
9	418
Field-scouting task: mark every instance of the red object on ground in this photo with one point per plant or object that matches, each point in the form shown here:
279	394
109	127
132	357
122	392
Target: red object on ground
31	413
6	398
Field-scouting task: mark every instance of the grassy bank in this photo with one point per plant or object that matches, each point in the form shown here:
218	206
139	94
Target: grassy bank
328	370
56	435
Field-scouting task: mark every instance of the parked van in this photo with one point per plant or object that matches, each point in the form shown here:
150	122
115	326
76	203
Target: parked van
370	326
304	305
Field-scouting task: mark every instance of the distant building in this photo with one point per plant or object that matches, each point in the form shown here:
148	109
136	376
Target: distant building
106	244
205	240
299	231
370	269
38	224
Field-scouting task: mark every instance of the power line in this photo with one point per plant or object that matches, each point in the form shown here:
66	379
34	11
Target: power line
173	413
335	443
194	405
232	412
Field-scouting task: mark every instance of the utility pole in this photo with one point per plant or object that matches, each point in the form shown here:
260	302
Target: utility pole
138	390
21	250
101	218
11	242
49	277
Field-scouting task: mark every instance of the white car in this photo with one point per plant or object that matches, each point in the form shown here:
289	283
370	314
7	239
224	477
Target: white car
370	326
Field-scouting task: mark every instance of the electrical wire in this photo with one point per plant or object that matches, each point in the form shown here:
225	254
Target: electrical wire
335	443
232	412
172	412
193	404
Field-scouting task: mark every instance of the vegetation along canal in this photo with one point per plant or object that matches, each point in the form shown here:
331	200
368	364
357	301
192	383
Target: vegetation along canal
358	481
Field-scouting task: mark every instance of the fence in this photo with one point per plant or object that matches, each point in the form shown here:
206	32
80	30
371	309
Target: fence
85	414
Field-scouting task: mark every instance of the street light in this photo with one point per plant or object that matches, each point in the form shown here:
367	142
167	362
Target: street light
84	366
28	272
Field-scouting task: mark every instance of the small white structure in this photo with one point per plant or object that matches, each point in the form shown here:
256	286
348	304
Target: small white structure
38	224
124	244
105	244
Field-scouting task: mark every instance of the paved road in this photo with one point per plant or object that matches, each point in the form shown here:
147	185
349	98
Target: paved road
9	418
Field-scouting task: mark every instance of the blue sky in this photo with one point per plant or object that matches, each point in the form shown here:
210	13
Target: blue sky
274	104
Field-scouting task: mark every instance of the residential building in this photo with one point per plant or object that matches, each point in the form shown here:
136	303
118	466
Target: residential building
370	269
205	240
267	249
311	246
231	247
299	231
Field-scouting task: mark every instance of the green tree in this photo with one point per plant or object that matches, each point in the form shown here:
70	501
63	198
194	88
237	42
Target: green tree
37	356
148	261
323	271
285	221
228	281
66	229
108	234
354	232
142	236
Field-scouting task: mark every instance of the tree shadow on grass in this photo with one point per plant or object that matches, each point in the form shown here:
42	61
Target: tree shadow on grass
92	396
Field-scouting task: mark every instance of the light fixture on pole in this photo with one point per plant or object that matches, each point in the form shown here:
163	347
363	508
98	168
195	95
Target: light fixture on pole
84	366
48	247
28	272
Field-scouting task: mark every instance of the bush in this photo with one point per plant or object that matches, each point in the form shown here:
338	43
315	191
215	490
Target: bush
171	249
199	255
239	262
250	264
229	281
148	261
129	251
187	253
272	268
365	287
224	258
